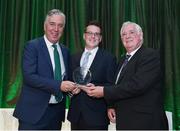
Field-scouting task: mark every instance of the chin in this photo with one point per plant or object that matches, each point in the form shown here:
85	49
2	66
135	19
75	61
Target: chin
55	40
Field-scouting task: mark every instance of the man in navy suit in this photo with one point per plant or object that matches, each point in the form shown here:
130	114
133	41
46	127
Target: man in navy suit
87	113
38	108
137	95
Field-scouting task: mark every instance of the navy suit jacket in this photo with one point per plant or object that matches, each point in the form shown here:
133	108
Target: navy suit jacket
138	95
93	110
38	81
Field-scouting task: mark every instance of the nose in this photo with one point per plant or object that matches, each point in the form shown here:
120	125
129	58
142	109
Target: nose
56	28
127	35
93	35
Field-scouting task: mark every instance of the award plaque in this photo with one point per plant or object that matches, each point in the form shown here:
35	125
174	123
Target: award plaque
81	76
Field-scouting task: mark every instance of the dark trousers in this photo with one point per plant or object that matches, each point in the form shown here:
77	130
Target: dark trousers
50	120
85	127
82	125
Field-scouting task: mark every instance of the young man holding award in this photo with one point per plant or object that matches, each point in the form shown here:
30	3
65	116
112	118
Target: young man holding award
87	113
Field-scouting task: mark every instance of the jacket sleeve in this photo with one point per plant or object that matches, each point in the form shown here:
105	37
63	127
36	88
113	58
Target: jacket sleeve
139	78
36	71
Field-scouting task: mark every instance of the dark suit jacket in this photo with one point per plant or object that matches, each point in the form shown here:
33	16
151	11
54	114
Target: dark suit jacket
94	111
138	96
38	82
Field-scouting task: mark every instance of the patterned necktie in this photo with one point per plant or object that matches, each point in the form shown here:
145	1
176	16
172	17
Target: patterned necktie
57	71
126	61
123	65
86	59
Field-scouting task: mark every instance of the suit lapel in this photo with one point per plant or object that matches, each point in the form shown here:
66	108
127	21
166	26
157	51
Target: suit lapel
118	69
130	63
46	52
64	53
96	60
78	59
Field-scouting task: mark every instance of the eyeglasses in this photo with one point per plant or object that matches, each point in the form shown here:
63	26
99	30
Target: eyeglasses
95	34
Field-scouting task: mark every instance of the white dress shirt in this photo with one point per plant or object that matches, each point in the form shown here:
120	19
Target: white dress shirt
51	53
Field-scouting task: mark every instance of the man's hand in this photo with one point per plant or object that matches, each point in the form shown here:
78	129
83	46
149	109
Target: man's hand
94	91
112	115
67	86
75	91
85	88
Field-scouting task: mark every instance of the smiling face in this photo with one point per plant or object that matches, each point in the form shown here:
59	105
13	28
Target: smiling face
92	36
131	37
54	27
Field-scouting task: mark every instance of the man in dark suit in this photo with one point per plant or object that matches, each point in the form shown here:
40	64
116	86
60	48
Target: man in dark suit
41	105
137	95
87	113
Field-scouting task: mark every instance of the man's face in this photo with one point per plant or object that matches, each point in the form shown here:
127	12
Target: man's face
53	27
92	36
130	38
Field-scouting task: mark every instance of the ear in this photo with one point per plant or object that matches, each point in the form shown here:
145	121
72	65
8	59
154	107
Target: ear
141	35
100	39
44	26
84	36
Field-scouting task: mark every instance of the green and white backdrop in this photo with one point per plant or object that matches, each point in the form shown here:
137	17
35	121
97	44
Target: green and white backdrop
22	20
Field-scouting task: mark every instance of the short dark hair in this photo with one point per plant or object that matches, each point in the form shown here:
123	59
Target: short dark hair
93	22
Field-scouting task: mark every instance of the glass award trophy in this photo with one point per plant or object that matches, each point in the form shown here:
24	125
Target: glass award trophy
81	76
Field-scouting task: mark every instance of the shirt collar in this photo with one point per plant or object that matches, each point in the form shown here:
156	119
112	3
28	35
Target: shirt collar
48	43
93	51
133	52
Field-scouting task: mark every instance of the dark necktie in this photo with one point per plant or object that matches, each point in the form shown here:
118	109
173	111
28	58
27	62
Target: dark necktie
57	71
123	65
126	61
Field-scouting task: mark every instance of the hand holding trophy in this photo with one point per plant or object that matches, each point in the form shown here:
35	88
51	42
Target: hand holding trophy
81	76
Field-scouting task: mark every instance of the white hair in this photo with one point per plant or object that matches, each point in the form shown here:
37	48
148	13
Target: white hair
137	27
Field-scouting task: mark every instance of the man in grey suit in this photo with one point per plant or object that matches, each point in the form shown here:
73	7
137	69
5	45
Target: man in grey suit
87	113
137	96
